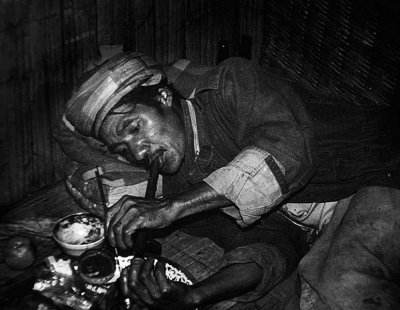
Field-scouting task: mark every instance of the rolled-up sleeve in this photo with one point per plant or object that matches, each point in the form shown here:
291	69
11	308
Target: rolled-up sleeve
253	181
269	125
267	257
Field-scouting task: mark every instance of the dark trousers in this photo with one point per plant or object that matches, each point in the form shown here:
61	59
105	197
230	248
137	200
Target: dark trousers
272	229
355	263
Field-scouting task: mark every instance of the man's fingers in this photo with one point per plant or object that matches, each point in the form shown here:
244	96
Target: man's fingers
135	307
124	231
131	224
135	300
114	233
114	209
134	289
123	282
117	220
126	292
111	218
147	278
134	283
160	276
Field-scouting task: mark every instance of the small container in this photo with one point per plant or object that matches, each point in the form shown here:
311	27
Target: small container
96	266
79	232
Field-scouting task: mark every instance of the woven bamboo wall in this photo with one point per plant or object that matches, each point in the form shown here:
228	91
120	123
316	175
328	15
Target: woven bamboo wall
172	29
337	48
251	16
45	45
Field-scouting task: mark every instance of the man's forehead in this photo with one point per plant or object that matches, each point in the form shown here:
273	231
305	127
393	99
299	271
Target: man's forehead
108	129
123	109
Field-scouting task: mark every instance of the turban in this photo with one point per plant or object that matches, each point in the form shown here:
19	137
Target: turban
91	102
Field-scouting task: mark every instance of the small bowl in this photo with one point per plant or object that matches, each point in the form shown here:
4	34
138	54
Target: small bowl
96	266
79	232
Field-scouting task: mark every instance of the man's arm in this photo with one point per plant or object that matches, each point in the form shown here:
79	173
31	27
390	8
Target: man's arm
245	274
132	213
269	123
260	267
231	281
148	285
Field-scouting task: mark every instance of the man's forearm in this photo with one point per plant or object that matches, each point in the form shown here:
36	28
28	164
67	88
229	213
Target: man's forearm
232	281
201	198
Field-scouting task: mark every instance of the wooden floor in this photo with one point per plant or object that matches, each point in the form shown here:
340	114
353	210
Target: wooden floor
36	216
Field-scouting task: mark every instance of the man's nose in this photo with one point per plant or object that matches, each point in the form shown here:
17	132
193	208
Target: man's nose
139	150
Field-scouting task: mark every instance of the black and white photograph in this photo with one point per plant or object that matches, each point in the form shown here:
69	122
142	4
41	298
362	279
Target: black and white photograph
200	154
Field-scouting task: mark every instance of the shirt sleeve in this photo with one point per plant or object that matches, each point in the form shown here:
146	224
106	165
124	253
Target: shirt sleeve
253	181
269	124
267	257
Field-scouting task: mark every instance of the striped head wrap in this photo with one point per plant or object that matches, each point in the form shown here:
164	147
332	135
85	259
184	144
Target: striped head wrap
91	102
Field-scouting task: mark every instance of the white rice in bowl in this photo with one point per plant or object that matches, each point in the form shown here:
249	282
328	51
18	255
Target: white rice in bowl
80	229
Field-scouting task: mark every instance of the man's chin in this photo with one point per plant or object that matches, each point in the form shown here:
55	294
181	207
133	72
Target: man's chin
169	169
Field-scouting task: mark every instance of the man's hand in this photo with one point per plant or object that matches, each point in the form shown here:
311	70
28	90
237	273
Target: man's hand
148	286
132	213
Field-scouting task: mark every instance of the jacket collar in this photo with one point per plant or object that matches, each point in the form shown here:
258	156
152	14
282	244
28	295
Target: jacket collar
197	149
209	80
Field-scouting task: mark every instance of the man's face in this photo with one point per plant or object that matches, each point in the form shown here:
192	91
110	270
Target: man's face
147	134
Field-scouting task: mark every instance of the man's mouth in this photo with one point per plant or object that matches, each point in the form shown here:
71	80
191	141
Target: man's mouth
158	155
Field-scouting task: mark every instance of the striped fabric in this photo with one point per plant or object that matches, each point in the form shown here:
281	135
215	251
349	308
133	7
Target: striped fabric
115	78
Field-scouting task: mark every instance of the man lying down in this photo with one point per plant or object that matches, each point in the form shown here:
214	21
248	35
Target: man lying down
241	152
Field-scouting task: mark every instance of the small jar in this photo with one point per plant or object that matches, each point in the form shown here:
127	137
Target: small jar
96	266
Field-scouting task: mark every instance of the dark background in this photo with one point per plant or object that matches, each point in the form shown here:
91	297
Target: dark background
335	48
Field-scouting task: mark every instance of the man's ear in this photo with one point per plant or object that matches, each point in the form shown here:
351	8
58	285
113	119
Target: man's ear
165	96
